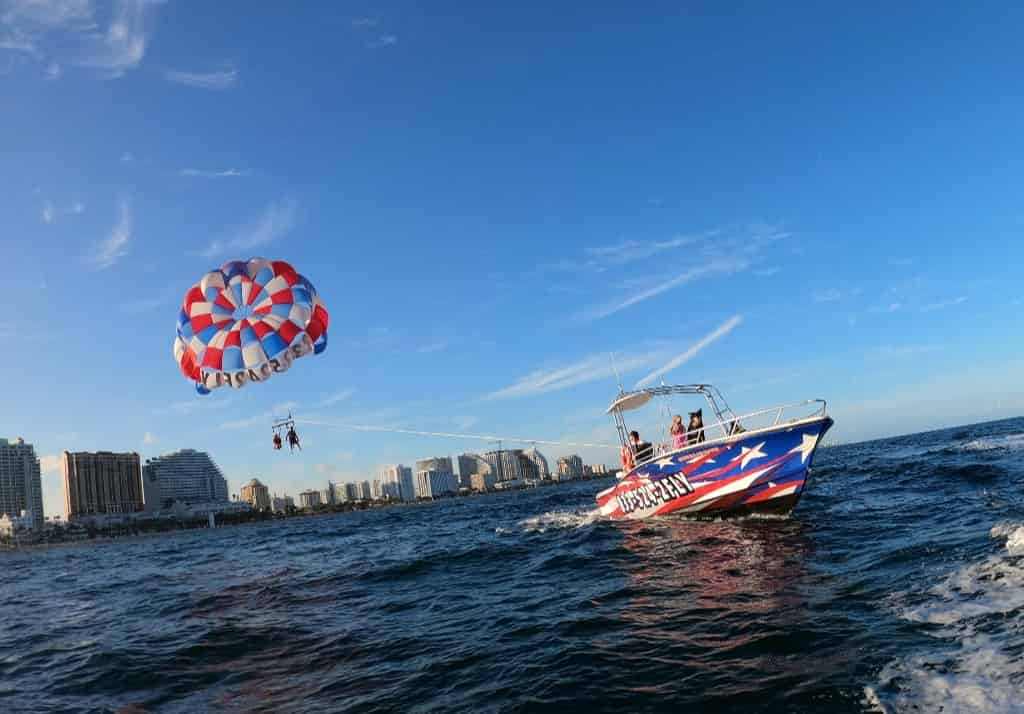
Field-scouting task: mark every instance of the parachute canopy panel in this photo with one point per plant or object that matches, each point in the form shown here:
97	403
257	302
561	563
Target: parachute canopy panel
245	322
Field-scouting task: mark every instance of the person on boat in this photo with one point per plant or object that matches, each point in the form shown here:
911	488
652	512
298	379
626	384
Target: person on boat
277	441
695	432
293	439
678	432
643	449
626	459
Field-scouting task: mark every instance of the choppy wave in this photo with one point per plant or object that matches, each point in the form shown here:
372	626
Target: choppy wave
974	668
897	585
1009	442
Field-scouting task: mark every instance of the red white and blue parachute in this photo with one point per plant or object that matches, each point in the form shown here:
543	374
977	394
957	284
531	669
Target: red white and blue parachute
245	322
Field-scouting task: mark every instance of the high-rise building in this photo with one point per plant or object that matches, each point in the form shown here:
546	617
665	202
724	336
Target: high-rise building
540	461
570	467
101	482
328	494
256	495
340	496
309	499
435	477
599	469
21	485
185	476
505	464
527	467
437	463
365	491
352	492
397	483
435	484
471	464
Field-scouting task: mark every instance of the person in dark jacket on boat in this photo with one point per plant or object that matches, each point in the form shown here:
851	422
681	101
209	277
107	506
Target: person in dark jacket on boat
643	449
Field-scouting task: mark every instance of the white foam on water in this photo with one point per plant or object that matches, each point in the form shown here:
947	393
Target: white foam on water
970	671
556	520
1011	442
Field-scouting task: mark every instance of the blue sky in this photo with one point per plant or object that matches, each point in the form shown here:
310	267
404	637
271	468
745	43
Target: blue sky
791	202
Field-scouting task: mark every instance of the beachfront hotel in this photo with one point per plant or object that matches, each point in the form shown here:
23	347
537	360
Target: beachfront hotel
256	494
185	476
101	482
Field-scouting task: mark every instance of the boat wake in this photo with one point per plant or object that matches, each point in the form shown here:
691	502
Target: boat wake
1009	442
556	520
975	669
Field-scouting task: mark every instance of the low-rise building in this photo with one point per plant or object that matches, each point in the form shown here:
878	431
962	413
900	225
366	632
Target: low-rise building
482	481
282	504
256	495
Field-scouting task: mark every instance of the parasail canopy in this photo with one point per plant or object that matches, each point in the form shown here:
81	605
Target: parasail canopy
246	321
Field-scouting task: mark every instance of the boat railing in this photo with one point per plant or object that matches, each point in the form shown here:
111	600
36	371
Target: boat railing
744	424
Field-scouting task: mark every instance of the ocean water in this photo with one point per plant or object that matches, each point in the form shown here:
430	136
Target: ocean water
897	585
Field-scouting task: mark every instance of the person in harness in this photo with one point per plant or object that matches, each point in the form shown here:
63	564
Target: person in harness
277	441
293	439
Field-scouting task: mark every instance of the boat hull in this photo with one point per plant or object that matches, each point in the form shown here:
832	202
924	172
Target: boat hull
763	471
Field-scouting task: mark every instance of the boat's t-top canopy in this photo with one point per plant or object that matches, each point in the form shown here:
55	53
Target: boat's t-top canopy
637	398
729	424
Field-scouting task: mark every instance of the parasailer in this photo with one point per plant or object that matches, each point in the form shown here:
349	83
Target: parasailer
293	439
245	322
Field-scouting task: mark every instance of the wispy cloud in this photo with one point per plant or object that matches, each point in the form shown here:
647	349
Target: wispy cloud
767	271
942	305
887	352
60	32
432	347
48	13
277	220
590	369
127	157
115	246
894	306
364	22
123	45
718	267
721	331
334	399
149	438
382	41
830	295
224	77
206	173
49	211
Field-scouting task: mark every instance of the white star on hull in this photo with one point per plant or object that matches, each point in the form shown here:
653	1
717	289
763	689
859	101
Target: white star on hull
748	454
805	447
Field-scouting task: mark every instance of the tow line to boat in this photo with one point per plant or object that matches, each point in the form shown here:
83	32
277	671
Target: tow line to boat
449	435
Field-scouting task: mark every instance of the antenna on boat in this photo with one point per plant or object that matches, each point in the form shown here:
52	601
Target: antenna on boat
618	377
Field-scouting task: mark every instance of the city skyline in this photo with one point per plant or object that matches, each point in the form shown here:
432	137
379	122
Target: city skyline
101	483
486	234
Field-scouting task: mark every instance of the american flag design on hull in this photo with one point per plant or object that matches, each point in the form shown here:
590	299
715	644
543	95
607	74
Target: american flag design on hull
762	471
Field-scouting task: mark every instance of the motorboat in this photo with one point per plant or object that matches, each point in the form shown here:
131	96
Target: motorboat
751	463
